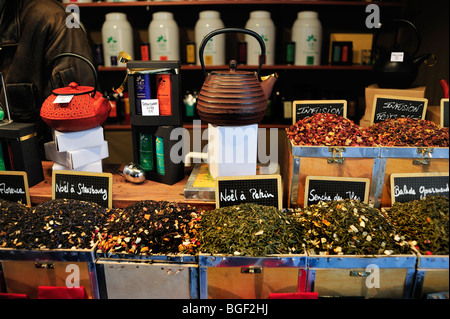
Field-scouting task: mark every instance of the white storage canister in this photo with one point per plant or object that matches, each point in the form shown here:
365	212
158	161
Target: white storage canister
261	23
164	37
214	52
307	35
117	35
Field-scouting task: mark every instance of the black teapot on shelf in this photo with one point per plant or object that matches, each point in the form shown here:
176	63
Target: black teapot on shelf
394	67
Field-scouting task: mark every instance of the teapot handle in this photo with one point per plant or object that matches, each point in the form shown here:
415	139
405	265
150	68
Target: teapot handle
57	57
231	30
397	21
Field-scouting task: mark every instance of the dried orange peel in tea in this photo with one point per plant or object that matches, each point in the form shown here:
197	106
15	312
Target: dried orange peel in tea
348	227
10	215
249	230
58	224
151	227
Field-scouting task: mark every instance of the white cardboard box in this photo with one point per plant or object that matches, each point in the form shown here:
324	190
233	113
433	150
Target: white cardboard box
70	141
77	158
232	150
96	167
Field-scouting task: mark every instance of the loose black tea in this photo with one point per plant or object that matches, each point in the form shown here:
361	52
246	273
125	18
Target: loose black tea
57	224
348	227
250	230
424	223
10	216
151	227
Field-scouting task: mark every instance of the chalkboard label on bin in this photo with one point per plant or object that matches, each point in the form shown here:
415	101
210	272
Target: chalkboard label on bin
258	189
307	108
87	186
14	187
390	107
444	113
329	188
411	186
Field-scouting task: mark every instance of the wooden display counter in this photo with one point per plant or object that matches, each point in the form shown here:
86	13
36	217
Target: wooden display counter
124	192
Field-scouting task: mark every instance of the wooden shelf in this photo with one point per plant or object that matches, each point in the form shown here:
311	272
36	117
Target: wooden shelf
186	125
264	67
237	2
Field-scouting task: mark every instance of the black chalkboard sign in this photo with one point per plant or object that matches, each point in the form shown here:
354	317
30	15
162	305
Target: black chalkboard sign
328	188
444	113
307	108
411	186
14	187
87	186
259	189
391	107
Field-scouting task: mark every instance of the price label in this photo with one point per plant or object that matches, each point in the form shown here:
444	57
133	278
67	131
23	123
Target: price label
64	99
397	56
150	107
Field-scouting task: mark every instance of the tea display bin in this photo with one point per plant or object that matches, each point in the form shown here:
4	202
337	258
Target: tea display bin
361	276
241	277
352	162
25	271
147	277
409	160
432	275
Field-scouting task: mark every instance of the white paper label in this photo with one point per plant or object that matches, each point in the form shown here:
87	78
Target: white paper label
63	99
397	56
150	107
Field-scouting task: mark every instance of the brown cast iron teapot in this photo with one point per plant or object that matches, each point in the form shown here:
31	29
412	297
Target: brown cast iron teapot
233	98
400	72
85	110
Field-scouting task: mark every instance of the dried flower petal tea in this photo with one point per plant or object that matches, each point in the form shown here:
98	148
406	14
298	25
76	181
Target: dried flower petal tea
409	132
328	130
249	230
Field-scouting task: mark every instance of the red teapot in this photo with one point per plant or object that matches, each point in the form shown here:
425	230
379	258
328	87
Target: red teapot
76	107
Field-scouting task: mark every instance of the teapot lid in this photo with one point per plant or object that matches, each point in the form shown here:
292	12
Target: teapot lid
232	71
73	89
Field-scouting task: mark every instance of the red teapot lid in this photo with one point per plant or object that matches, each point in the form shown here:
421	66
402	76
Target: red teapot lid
73	89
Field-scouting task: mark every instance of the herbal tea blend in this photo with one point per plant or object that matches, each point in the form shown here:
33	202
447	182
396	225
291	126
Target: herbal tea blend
151	227
409	132
249	230
424	223
328	130
58	224
348	227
